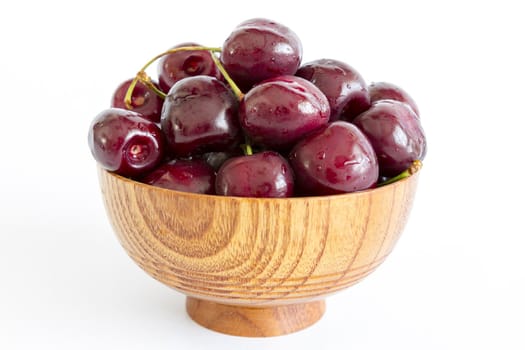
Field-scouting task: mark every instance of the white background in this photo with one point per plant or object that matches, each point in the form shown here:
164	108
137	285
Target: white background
455	279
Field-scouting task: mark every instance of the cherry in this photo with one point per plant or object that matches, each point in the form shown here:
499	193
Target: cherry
265	174
396	134
344	87
278	112
193	175
182	64
388	91
143	100
125	142
260	49
200	115
337	158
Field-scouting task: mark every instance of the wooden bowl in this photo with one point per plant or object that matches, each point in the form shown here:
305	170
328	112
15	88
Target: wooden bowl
251	266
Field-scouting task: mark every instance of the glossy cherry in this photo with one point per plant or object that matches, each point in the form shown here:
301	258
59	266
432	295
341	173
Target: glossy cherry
344	87
337	158
125	142
183	175
200	115
279	111
143	100
388	91
260	49
396	134
265	174
182	64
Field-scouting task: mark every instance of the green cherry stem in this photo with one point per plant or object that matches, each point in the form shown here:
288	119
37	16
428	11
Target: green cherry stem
247	149
144	78
412	169
226	76
246	146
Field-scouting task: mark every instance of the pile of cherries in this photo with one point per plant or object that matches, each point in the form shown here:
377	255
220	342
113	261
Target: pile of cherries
249	120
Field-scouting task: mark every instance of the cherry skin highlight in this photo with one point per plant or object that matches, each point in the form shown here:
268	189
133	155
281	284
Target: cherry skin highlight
278	112
396	134
259	49
199	115
183	175
344	87
266	174
388	91
337	158
182	64
143	100
124	142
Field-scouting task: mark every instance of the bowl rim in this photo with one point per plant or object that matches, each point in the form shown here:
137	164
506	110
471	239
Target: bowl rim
191	195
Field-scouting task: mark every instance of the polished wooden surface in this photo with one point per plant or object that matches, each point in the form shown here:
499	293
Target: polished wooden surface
260	255
254	321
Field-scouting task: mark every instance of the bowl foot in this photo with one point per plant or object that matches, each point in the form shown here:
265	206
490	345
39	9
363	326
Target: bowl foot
254	321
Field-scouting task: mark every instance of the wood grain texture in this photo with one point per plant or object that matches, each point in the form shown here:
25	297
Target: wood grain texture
254	321
250	252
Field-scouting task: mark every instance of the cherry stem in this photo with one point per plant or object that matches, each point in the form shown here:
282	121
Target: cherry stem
412	169
144	78
227	77
247	149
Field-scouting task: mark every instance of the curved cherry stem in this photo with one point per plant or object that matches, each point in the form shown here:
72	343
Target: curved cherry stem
246	146
227	77
412	169
146	80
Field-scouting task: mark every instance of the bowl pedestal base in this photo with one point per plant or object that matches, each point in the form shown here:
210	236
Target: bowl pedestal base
254	321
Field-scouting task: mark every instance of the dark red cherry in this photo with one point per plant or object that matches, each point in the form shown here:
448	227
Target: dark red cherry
265	174
182	64
344	87
143	100
124	142
337	158
388	91
396	134
200	115
259	49
193	175
279	111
